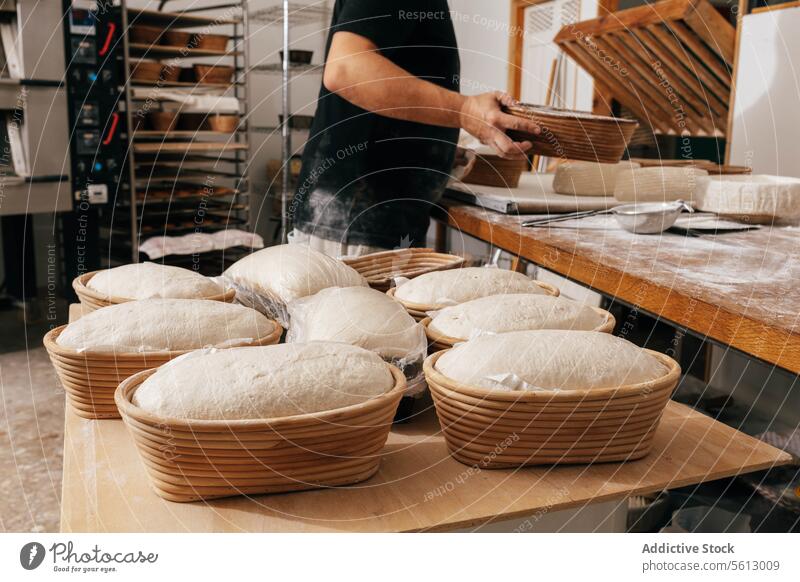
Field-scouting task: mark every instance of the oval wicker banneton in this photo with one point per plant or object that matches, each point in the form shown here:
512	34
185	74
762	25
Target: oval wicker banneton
496	429
380	269
90	378
440	341
92	300
419	311
190	460
575	135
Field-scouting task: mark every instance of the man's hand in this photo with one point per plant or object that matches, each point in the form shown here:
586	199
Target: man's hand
481	116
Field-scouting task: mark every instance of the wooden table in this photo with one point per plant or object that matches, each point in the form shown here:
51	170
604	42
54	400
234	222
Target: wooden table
740	289
418	487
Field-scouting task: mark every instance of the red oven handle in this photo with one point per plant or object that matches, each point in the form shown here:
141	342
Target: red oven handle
111	29
113	129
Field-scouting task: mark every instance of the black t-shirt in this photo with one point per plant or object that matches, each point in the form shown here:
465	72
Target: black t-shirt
369	179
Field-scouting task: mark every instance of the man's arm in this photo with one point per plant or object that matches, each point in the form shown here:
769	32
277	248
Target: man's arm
356	71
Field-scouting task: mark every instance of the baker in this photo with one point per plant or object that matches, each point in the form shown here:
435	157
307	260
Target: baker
383	141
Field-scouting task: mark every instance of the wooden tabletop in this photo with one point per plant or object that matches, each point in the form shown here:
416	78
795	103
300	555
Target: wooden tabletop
418	487
737	288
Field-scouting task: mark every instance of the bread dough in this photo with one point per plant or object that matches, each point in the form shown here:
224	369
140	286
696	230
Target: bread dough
549	359
578	178
504	313
658	184
152	280
359	316
758	195
286	272
264	382
165	324
442	288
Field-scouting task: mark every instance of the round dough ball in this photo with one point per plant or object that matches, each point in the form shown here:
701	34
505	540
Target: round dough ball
758	195
442	288
504	313
151	281
658	184
287	272
359	316
579	178
154	325
548	360
264	382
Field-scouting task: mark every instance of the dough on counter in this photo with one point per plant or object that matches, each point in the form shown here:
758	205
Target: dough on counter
578	178
442	288
264	382
359	316
165	325
286	272
549	359
505	313
659	184
758	195
152	280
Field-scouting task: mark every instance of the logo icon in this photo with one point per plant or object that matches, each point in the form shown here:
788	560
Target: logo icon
31	555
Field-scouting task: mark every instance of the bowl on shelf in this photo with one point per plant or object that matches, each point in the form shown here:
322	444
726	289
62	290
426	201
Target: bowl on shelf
212	42
298	121
223	123
213	73
141	34
176	38
163	120
149	71
191	121
299	57
575	135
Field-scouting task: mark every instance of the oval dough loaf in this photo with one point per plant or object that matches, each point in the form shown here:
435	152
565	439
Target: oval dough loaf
758	196
505	313
578	178
264	382
658	184
165	324
151	280
443	288
288	272
549	359
359	316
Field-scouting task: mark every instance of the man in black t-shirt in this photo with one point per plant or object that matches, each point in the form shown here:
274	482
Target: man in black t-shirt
383	139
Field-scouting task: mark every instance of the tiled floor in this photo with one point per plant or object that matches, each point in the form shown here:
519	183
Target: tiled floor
31	429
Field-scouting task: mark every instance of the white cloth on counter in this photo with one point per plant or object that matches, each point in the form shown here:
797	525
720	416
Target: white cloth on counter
199	242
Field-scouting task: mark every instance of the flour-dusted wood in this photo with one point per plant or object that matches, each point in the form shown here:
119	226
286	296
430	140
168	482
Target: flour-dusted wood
437	290
92	298
499	429
189	460
517	312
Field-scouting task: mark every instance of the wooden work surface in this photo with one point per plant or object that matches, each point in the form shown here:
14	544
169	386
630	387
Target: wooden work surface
418	487
740	289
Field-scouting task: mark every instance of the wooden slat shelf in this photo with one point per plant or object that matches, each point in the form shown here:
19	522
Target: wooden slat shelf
189	134
668	62
160	84
180	147
175	19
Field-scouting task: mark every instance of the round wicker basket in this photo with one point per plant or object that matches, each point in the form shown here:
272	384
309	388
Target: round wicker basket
91	299
190	460
439	341
90	378
380	269
512	429
419	311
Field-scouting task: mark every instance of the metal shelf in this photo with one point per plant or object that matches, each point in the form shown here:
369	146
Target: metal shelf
277	69
298	14
158	50
177	19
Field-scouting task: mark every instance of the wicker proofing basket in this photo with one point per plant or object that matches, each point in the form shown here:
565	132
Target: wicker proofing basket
419	311
90	378
439	341
380	269
498	430
92	300
190	460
